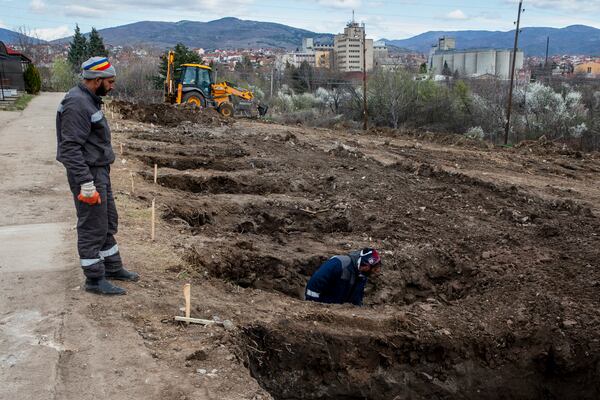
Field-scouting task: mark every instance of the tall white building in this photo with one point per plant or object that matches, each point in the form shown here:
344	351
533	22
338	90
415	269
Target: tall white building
349	49
472	63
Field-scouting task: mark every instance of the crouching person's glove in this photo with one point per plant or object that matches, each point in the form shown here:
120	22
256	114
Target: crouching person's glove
88	194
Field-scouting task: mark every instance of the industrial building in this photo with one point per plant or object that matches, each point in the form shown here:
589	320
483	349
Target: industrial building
473	62
345	55
349	49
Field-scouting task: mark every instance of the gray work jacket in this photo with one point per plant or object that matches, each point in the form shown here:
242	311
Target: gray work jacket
82	134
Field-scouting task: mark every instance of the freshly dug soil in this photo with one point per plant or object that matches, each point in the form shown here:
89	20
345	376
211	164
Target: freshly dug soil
167	114
491	280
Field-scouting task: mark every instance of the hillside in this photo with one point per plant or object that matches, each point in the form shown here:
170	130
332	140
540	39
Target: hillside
11	37
575	39
236	33
222	33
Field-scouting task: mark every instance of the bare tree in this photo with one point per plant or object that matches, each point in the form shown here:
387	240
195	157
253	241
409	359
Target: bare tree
29	43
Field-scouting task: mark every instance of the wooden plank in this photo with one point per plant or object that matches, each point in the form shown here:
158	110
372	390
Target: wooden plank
197	321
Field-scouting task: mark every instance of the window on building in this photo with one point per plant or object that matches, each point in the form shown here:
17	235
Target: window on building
589	70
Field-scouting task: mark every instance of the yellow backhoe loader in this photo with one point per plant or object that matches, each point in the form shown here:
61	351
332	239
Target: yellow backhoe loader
193	84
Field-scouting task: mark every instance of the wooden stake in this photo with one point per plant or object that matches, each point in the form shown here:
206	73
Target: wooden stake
187	288
132	185
153	218
155	173
121	148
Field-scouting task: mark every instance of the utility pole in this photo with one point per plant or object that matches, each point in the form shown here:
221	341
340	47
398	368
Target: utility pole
1	81
365	113
512	73
547	48
272	77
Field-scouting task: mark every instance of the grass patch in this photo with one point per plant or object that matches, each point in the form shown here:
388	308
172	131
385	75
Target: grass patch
21	103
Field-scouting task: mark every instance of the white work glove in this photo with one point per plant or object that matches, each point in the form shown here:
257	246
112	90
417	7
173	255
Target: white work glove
88	189
88	194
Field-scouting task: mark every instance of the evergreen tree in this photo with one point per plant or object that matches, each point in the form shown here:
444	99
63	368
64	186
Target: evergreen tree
244	68
95	47
33	80
77	50
183	55
446	71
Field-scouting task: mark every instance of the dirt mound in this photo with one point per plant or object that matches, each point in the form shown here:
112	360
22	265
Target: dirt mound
168	114
543	146
339	360
451	139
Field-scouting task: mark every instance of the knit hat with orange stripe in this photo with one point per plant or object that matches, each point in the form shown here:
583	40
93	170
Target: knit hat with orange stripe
97	67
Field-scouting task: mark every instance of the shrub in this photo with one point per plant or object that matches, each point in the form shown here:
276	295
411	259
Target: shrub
33	80
62	77
475	132
136	81
546	112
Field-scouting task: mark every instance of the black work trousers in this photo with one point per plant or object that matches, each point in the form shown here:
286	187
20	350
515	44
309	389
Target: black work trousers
97	226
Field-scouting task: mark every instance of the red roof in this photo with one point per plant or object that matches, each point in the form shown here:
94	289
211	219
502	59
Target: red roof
12	52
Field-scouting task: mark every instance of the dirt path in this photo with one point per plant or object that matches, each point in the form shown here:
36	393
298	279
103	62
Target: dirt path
54	341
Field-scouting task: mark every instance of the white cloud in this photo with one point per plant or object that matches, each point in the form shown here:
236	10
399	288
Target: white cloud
340	3
82	8
37	6
51	33
82	11
3	25
568	5
457	14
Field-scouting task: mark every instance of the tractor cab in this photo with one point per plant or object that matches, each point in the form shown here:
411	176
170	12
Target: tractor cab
196	81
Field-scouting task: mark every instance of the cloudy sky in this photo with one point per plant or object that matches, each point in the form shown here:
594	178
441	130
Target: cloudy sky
391	19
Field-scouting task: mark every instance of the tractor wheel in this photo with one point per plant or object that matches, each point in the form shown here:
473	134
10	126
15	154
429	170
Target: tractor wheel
226	110
194	98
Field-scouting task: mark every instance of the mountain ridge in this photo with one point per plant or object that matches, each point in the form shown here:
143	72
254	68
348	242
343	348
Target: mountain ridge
228	32
231	32
573	39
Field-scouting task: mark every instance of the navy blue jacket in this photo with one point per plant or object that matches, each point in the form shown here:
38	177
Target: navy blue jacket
82	133
337	281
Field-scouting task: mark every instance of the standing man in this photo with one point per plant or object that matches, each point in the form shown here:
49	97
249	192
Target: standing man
84	148
342	279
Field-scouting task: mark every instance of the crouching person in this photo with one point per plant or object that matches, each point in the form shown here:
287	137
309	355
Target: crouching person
342	279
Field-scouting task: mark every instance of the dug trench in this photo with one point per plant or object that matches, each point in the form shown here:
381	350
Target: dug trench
488	290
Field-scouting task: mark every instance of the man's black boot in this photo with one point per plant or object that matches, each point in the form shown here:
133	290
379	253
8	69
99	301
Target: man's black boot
123	275
102	286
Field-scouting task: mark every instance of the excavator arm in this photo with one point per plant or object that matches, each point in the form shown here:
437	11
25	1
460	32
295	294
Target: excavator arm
172	93
226	89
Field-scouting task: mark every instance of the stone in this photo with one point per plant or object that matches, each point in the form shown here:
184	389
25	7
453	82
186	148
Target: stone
228	325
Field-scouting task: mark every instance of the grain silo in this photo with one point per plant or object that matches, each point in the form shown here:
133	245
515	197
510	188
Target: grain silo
459	62
470	63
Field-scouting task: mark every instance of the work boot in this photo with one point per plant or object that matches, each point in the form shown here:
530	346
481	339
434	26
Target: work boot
123	275
102	286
